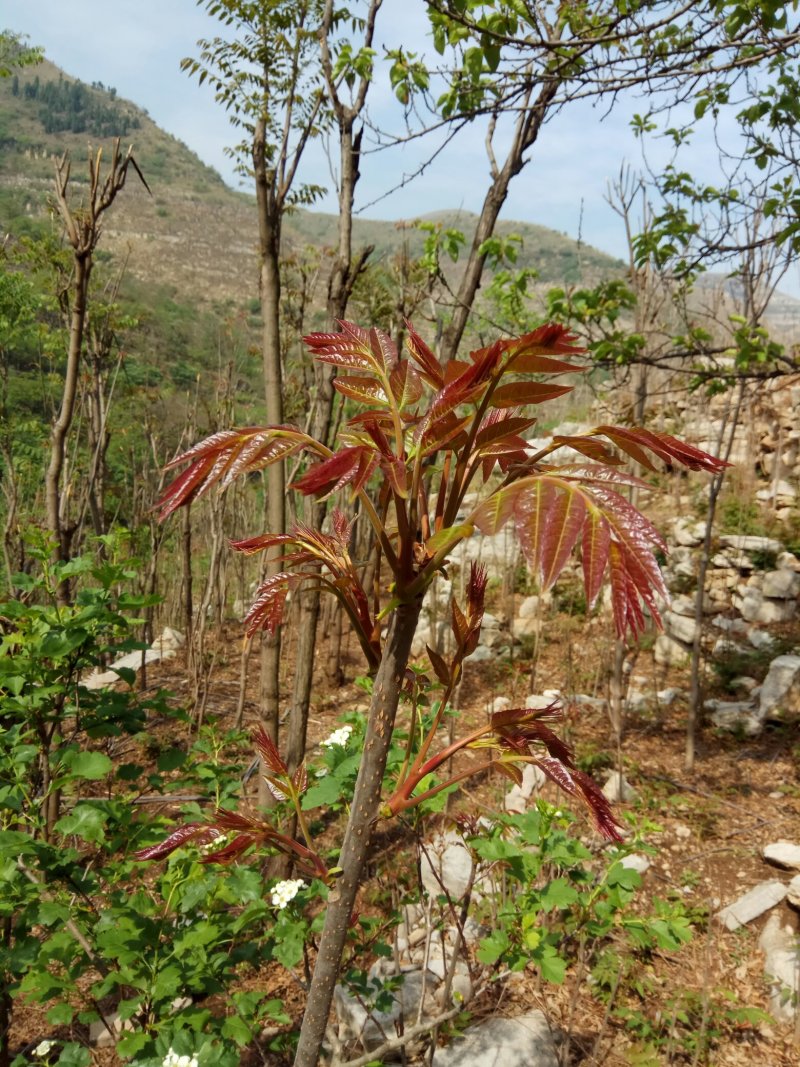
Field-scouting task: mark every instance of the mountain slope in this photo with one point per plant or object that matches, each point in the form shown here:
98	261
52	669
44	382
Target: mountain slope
194	233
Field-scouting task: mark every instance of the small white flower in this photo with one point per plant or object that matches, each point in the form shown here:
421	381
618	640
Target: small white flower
214	844
338	737
172	1059
286	891
43	1048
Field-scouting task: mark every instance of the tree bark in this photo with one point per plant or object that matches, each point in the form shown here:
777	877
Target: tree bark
340	287
269	226
363	813
525	134
61	427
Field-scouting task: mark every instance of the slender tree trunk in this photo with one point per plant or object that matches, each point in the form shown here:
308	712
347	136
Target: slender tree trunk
61	427
525	134
363	813
695	691
340	287
269	223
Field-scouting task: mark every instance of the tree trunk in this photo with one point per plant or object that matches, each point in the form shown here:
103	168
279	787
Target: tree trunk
269	226
526	131
61	427
695	691
363	813
340	287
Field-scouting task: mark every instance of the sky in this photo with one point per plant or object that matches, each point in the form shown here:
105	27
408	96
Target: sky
137	45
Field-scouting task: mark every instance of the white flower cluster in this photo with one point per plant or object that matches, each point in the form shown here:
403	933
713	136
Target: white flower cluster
286	891
43	1048
172	1059
214	844
338	737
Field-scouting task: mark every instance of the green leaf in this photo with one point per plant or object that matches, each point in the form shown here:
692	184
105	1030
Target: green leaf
74	1055
552	969
129	1044
492	948
84	821
326	790
60	1015
171	760
237	1030
290	938
558	894
89	765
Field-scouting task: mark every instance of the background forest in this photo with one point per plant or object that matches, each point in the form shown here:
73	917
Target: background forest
243	822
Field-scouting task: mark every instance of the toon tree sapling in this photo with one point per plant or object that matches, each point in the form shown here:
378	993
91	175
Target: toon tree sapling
421	436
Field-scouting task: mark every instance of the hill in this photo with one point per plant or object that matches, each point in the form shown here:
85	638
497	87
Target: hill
195	234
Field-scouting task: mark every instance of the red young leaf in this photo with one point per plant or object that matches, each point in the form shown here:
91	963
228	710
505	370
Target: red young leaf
269	752
349	349
405	384
513	772
364	390
550	339
531	509
594	554
531	363
562	527
225	455
194	832
577	784
327	475
250	545
267	610
384	350
430	366
492	515
633	440
517	394
439	665
500	423
444	431
587	446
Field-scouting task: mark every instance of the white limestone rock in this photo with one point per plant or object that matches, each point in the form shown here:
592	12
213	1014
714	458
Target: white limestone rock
669	652
730	626
526	1041
781	946
636	862
759	638
618	789
783	854
755	607
752	543
680	627
780	687
482	654
736	716
752	904
667	697
531	606
687	533
781	585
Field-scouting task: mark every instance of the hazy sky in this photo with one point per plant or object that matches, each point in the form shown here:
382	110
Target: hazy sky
137	45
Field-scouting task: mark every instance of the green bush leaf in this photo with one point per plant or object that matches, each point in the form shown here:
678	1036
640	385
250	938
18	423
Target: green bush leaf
89	765
60	1015
85	821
